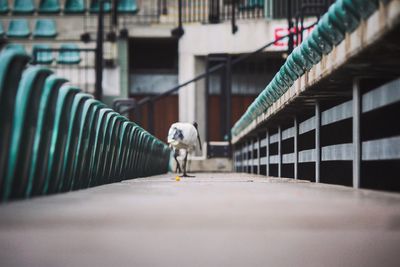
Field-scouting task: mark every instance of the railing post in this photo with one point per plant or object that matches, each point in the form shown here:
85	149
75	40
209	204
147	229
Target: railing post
98	93
234	26
178	31
317	142
150	119
295	150
258	155
114	14
279	151
267	154
356	133
213	16
252	156
242	157
228	96
290	26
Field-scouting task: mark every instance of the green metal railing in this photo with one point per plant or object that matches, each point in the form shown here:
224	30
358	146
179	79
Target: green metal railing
343	17
54	138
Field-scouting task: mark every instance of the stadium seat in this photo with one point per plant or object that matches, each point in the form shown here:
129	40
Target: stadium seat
18	28
114	147
85	147
12	64
71	142
45	28
41	148
49	7
251	4
101	171
24	7
70	56
123	151
23	130
94	6
74	7
127	6
16	47
4	7
98	147
42	57
59	136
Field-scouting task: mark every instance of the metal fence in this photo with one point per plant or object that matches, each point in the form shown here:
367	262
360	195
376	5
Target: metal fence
278	9
340	141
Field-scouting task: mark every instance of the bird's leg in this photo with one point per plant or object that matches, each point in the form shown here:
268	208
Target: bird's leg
184	166
178	166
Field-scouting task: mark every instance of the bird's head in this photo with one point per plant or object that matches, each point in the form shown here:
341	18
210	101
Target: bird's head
195	124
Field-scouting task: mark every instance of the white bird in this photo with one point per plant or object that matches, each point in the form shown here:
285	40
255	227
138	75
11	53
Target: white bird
183	135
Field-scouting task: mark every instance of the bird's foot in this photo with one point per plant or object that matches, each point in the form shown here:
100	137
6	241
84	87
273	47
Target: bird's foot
186	175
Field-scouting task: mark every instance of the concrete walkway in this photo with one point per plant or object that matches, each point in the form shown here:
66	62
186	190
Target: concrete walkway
210	220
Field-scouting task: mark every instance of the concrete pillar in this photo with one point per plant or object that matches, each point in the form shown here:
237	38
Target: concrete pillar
187	94
200	102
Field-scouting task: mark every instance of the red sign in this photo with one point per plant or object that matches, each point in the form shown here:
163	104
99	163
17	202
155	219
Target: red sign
281	32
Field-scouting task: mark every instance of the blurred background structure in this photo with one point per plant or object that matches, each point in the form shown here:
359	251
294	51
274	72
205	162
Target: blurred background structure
298	102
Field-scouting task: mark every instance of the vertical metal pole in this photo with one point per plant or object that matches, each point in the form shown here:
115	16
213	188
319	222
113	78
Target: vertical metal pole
242	158
206	92
223	103
245	156
295	150
279	151
258	155
267	153
356	133
252	156
228	95
234	26
317	142
234	160
114	15
98	93
290	26
150	118
178	32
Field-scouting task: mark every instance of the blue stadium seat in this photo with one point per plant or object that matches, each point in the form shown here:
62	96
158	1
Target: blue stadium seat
23	7
45	28
70	56
74	7
12	65
4	7
18	28
94	6
16	47
127	6
42	57
49	6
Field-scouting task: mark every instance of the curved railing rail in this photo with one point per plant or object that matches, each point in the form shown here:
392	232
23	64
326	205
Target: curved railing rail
54	138
343	17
